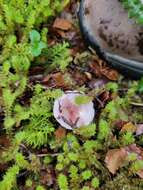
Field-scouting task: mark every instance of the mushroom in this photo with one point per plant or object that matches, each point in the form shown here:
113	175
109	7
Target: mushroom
70	115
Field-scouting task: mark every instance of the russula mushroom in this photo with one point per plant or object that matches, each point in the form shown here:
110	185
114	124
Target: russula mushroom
70	115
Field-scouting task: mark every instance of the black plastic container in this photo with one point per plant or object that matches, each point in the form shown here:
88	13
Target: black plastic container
129	67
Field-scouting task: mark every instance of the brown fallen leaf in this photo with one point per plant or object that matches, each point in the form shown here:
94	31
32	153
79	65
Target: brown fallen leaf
59	79
95	68
60	133
78	77
47	176
140	174
61	33
130	127
110	73
54	80
62	24
119	124
104	97
115	159
100	68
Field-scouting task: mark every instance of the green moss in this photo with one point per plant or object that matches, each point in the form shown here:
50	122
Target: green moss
134	8
39	187
95	182
78	160
28	183
82	99
62	182
86	174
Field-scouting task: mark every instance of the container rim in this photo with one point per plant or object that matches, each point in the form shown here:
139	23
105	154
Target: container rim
133	67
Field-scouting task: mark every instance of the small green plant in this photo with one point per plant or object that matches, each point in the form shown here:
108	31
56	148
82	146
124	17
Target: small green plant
86	174
22	40
135	9
62	182
95	182
127	138
39	187
38	130
104	130
9	179
87	131
79	161
36	44
58	56
140	85
28	183
137	166
82	99
48	156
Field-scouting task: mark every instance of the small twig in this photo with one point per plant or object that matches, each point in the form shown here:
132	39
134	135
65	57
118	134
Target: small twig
48	154
137	104
23	146
25	173
99	101
38	155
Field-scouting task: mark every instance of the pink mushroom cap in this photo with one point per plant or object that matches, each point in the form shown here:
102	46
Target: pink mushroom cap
70	115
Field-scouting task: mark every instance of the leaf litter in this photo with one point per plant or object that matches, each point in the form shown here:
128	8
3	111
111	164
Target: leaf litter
90	73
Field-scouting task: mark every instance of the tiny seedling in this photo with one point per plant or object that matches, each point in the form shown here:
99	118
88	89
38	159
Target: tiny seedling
36	44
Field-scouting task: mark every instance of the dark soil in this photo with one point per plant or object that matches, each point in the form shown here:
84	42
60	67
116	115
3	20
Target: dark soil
108	22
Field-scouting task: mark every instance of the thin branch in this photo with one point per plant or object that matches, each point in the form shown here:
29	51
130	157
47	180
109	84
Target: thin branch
48	154
137	104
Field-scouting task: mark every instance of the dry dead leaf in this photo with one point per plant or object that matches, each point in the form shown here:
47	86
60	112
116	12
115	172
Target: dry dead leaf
59	79
102	98
140	174
110	73
95	68
100	69
61	33
119	124
130	127
54	80
62	24
115	159
60	133
78	77
47	176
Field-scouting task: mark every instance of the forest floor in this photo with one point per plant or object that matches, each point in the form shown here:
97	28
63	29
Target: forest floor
107	155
